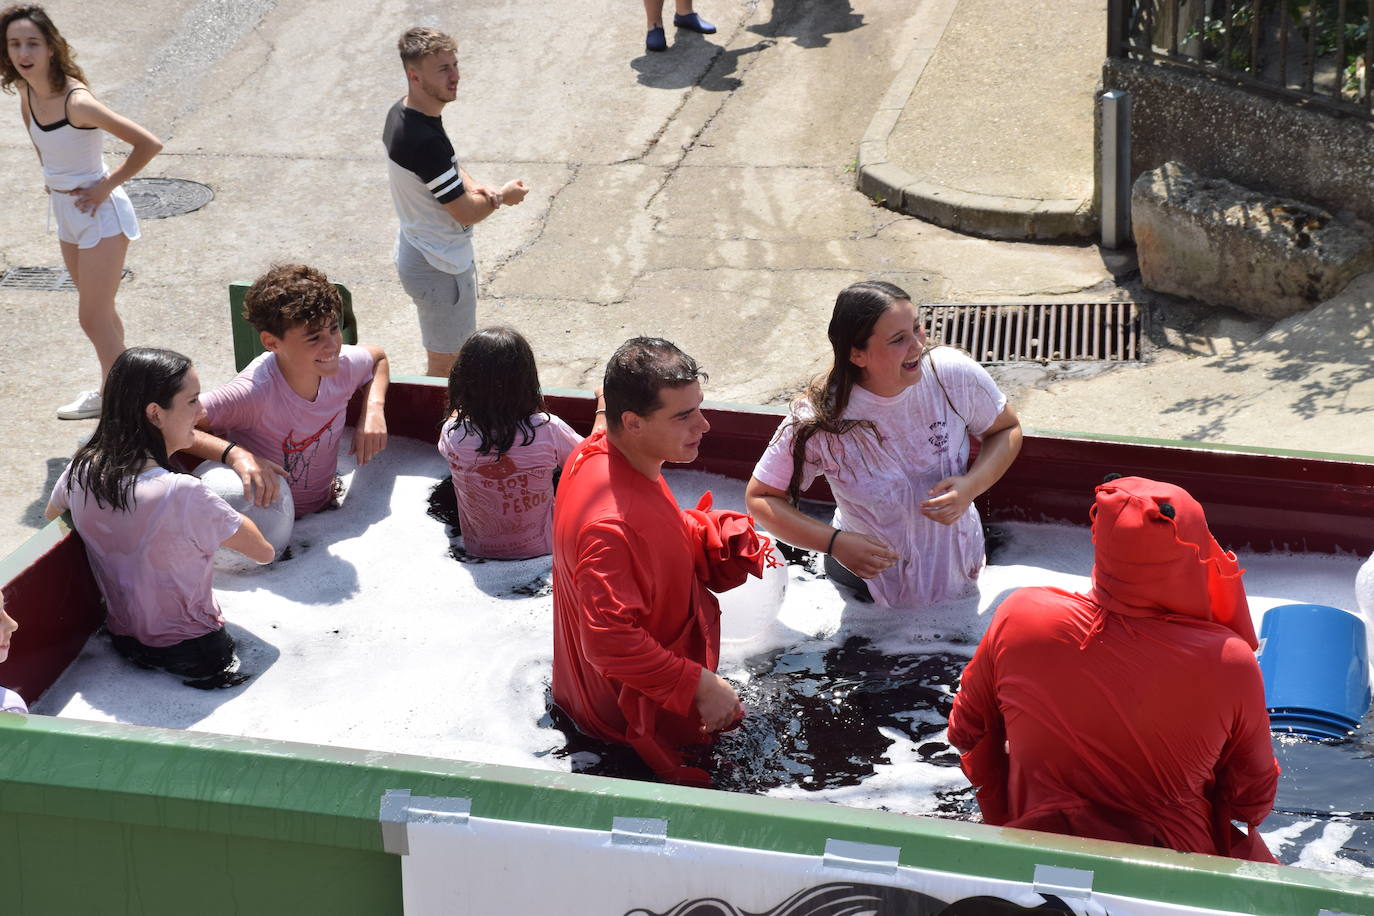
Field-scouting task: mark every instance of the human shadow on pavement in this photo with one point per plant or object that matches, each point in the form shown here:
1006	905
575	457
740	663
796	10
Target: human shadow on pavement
808	23
694	61
33	512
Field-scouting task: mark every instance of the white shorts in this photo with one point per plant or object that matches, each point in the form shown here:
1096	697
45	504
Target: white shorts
85	230
445	302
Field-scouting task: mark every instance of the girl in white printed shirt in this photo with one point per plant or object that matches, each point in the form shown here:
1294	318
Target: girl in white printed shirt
888	426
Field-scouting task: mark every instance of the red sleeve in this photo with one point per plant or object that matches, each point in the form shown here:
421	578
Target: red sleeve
614	614
977	729
1247	775
975	711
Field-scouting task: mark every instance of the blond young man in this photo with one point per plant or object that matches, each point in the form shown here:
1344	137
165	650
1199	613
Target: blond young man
436	200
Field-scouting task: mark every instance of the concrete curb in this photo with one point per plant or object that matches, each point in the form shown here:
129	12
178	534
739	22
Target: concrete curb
898	188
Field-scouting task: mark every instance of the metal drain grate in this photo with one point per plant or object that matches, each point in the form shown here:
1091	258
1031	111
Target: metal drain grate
155	198
1038	331
50	279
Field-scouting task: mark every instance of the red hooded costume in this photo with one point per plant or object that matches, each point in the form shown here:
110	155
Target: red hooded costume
1134	712
634	622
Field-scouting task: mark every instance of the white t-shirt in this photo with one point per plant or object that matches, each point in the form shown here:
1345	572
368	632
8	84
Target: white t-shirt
154	561
506	501
11	701
880	483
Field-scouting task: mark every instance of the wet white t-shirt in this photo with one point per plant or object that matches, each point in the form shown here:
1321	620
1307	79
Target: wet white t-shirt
11	701
880	482
154	561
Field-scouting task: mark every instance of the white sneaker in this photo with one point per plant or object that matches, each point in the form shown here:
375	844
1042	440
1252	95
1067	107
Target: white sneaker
86	406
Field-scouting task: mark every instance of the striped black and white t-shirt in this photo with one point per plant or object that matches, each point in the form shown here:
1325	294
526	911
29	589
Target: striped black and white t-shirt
424	174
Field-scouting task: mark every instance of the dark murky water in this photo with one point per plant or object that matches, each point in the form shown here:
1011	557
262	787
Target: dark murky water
813	720
815	716
1332	783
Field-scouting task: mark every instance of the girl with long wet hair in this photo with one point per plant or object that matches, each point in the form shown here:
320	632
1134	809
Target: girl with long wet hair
889	427
503	447
150	532
95	219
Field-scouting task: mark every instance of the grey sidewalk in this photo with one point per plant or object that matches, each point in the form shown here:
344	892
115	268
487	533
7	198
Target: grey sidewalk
705	194
988	128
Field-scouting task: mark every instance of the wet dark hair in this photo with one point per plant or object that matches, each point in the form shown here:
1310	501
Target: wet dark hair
857	310
493	389
124	439
639	370
63	58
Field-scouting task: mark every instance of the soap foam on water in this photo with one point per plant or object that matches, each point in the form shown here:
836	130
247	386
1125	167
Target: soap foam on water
372	636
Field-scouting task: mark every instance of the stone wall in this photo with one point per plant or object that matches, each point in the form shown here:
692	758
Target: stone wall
1262	143
1212	240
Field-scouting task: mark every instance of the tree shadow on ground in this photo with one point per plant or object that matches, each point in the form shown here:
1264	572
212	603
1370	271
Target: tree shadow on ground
809	23
694	61
1314	364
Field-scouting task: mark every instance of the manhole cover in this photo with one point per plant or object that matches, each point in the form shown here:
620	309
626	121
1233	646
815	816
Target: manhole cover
52	279
1038	331
155	198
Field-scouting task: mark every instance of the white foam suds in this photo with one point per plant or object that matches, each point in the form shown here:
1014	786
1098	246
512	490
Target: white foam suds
372	636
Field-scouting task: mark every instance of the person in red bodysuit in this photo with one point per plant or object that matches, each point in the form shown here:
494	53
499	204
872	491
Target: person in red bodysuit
1134	712
636	634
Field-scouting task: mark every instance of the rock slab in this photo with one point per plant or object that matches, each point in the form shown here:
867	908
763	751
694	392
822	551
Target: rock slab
1217	242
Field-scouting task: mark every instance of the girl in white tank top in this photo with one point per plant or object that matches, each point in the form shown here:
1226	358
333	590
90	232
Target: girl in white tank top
95	220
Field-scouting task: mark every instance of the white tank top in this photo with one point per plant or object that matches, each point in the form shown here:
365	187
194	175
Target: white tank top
72	156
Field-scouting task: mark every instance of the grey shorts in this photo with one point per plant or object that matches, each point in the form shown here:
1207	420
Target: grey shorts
446	303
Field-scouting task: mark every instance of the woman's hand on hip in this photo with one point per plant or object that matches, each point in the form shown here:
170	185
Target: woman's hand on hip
89	199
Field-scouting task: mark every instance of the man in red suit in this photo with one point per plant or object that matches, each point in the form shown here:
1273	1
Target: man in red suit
636	634
1134	712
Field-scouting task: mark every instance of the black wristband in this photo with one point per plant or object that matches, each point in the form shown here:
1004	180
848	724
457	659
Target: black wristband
831	546
224	455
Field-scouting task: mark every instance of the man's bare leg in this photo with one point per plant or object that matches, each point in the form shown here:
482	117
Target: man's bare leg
439	365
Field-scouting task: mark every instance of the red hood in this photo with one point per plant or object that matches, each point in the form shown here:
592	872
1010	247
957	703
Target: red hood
1147	563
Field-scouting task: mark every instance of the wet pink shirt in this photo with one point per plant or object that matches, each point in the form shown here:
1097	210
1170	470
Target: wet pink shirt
506	502
154	561
259	410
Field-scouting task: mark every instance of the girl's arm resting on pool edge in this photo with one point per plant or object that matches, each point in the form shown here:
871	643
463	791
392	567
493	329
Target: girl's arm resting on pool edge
951	497
861	554
248	540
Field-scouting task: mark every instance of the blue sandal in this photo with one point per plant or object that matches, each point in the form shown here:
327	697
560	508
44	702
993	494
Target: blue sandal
694	23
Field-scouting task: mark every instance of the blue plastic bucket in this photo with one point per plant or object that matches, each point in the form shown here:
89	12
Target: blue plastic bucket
1315	663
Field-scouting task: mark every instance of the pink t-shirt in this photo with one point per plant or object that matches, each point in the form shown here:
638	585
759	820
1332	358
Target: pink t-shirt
506	501
261	412
154	561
